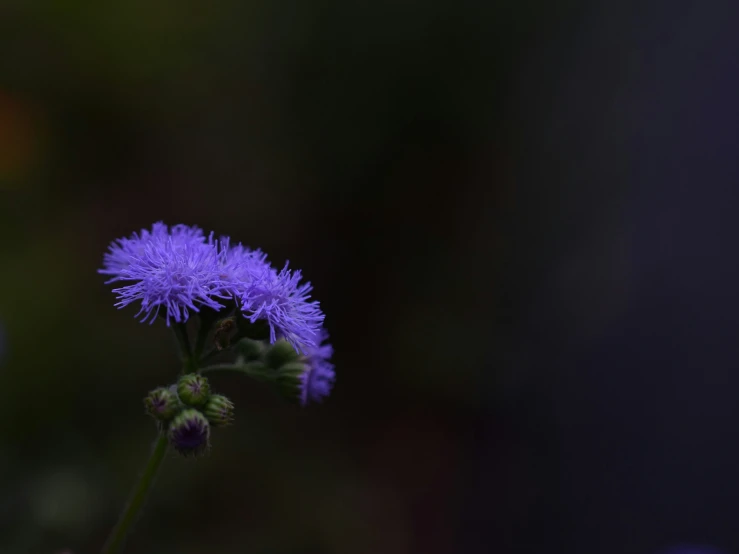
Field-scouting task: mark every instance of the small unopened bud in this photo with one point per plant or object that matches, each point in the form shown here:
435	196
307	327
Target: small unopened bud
290	378
162	403
280	353
189	433
250	349
193	389
308	380
219	410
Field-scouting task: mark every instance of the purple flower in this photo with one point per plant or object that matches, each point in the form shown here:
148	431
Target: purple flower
318	380
284	303
176	270
239	264
122	251
180	271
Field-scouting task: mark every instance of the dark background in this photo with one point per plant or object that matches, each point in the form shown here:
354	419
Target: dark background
519	217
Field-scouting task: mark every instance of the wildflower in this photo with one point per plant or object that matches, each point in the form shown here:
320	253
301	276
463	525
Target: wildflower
175	269
122	251
179	270
240	265
278	298
284	303
310	377
264	320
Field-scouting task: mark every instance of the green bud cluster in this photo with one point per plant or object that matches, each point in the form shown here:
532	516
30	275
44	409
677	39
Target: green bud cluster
187	411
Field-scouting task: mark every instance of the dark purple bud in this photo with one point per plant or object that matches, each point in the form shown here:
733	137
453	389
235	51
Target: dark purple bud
189	433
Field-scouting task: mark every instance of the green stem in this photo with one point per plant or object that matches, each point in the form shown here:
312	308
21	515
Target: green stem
203	332
252	369
211	353
132	509
190	364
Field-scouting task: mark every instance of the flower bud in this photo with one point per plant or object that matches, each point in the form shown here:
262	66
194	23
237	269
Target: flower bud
162	403
280	353
290	378
193	389
189	433
250	349
219	410
317	382
311	377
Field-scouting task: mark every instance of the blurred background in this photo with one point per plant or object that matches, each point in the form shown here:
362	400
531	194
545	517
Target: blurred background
520	220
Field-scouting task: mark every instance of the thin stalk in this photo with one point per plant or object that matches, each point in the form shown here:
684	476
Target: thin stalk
209	354
252	369
140	492
201	339
189	363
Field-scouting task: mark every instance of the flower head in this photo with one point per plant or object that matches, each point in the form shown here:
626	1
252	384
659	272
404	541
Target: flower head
240	265
178	270
122	251
284	303
318	380
172	269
